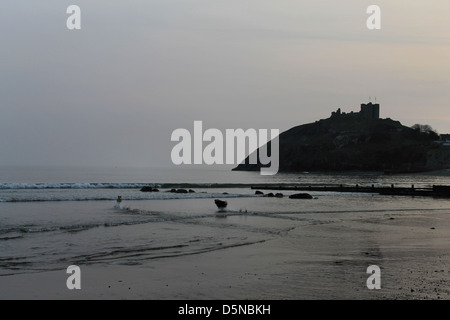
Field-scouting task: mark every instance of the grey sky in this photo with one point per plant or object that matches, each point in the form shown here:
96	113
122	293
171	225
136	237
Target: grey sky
112	92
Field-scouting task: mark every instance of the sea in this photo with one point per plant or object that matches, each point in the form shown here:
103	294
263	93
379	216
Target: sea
53	217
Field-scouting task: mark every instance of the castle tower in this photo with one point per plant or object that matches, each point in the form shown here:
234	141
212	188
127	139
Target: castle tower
370	111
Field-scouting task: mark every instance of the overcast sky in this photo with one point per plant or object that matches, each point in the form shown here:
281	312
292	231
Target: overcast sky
113	92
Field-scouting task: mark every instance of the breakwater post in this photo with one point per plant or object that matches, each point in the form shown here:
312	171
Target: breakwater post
435	191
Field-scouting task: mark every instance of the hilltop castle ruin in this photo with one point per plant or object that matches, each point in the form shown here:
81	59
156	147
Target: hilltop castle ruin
370	111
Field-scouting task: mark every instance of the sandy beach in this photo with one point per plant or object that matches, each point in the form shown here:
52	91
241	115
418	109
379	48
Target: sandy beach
323	256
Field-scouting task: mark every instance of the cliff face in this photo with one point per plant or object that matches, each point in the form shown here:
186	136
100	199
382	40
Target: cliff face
350	142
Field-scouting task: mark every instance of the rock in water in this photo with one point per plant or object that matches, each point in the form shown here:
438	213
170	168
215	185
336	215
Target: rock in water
221	203
301	196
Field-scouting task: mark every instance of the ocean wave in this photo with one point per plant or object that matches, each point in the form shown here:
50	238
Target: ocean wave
16	232
113	197
90	185
131	216
22	186
103	185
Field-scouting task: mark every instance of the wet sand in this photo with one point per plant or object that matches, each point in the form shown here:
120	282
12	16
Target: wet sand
324	257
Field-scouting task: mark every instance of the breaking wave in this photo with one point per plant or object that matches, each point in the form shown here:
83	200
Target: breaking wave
90	185
113	197
71	185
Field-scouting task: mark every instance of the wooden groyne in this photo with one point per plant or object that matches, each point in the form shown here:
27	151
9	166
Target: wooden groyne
435	191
